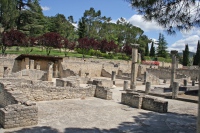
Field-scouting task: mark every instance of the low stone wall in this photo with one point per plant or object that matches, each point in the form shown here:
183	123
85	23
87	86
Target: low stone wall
103	82
42	93
32	74
153	104
17	115
144	102
16	110
153	79
68	82
6	97
132	99
103	93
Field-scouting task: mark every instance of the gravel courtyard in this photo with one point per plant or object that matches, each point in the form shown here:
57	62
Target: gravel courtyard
93	115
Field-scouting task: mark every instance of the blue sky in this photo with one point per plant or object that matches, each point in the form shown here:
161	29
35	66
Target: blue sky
116	9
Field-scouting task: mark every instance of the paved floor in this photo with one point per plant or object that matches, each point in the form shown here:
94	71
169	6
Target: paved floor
93	115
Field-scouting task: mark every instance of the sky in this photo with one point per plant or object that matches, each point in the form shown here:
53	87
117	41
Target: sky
117	9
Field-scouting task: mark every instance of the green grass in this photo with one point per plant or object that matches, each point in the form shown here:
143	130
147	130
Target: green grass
39	51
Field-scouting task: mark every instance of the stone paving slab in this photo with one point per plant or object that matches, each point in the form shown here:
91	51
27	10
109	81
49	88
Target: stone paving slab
93	115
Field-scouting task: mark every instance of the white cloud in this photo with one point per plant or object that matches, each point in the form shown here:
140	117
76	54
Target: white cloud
138	21
190	40
45	8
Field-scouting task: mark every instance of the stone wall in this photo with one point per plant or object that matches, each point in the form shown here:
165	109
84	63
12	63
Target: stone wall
165	73
16	110
17	115
6	66
42	93
103	93
144	102
153	79
132	99
103	82
33	74
6	97
153	104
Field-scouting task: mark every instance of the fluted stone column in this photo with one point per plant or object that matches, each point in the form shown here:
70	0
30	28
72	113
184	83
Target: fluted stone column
134	66
173	67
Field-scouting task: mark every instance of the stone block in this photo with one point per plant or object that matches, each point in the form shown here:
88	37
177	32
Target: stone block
153	104
132	99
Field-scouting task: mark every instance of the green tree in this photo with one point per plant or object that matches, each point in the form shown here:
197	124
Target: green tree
81	28
8	14
152	50
162	46
171	14
196	57
186	56
147	50
30	19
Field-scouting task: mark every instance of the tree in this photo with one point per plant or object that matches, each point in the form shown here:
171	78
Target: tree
171	14
68	46
51	40
152	50
8	14
162	46
197	55
147	50
30	19
186	56
12	38
81	28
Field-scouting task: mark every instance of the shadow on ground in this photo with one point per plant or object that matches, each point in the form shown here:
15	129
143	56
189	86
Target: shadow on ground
150	122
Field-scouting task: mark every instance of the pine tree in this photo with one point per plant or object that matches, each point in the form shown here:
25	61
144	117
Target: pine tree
186	56
162	46
196	57
147	50
152	50
81	28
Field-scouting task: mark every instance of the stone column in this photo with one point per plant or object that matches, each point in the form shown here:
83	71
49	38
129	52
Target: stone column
139	57
113	76
145	77
193	82
133	66
31	64
56	71
139	71
185	82
147	87
175	90
125	85
38	67
50	72
173	68
26	63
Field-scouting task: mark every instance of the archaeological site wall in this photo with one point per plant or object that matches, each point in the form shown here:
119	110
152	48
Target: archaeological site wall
15	109
144	102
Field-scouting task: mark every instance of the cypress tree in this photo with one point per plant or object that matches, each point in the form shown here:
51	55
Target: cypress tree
152	50
147	50
186	56
196	57
162	46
